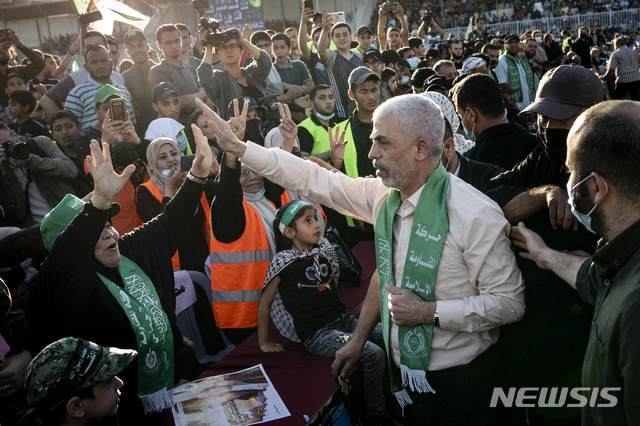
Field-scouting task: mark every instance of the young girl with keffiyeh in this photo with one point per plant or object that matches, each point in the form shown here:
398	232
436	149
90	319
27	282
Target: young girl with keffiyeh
300	295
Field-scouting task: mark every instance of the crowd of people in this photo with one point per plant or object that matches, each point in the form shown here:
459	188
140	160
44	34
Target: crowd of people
488	173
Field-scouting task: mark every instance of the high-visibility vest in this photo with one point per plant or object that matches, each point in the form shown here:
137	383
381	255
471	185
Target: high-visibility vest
206	227
320	136
350	154
238	270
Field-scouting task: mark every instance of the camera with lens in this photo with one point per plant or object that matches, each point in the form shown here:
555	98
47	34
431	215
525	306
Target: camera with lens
389	6
427	17
18	151
215	36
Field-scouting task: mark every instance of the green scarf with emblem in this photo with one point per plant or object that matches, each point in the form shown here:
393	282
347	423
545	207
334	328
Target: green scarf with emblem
140	302
428	232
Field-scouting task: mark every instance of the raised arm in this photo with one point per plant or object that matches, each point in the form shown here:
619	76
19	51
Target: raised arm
323	42
403	23
382	21
66	61
302	33
355	197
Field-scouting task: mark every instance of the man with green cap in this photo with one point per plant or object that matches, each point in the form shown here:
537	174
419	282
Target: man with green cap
106	130
74	381
119	291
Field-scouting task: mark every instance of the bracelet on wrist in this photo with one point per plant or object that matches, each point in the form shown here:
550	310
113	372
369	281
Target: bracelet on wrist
196	179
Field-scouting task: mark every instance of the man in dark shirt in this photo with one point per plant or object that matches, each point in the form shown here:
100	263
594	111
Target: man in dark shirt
364	89
136	79
582	47
29	71
605	197
21	105
475	173
556	323
479	103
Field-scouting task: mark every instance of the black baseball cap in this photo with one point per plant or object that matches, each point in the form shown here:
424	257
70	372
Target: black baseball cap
565	90
161	91
373	52
437	81
511	37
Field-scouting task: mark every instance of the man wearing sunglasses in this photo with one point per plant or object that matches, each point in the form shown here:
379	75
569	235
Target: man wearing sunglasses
223	86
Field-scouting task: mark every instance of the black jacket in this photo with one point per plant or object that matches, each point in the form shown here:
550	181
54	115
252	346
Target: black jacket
504	145
69	299
477	174
557	322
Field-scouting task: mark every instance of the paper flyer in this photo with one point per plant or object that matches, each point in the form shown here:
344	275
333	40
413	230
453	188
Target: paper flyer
240	398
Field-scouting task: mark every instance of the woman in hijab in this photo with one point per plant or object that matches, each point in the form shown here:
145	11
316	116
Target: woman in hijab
166	176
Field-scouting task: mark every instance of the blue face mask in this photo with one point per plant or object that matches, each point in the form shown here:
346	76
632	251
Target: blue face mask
584	219
182	142
469	135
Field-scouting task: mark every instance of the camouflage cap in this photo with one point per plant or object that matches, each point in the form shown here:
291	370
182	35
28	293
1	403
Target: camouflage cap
69	364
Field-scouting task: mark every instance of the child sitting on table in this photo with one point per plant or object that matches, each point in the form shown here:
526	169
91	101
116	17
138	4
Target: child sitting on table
303	278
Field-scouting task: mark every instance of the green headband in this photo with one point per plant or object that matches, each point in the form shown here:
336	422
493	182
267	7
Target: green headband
62	215
291	212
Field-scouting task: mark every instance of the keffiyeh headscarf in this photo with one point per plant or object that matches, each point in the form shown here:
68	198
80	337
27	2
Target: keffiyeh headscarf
153	150
471	64
462	144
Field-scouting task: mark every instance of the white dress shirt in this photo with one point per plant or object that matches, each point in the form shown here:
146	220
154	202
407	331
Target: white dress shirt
479	286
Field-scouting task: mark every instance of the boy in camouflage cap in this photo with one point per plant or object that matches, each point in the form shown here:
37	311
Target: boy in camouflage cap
74	381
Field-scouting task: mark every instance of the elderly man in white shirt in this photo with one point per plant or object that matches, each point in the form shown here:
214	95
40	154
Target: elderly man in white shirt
478	286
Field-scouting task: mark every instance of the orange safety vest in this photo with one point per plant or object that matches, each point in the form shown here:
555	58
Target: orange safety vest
127	220
238	270
206	228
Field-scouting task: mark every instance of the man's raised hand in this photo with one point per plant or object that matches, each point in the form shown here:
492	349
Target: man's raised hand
337	146
226	139
288	127
238	123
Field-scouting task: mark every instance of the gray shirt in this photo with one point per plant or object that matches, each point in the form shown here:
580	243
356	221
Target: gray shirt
183	77
222	88
338	69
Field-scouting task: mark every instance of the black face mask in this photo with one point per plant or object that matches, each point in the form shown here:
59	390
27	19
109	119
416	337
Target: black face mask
494	63
583	35
253	131
553	143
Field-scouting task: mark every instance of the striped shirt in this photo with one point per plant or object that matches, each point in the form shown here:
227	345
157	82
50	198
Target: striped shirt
80	102
626	62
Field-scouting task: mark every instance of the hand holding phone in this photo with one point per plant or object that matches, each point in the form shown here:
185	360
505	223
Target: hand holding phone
118	110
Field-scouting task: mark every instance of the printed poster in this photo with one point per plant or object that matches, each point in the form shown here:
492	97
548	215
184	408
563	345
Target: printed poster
240	398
